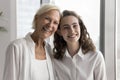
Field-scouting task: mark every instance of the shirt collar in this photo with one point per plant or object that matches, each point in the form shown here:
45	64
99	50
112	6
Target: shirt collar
67	53
80	53
28	37
31	43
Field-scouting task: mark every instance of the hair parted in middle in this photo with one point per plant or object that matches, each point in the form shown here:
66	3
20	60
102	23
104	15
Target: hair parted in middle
85	41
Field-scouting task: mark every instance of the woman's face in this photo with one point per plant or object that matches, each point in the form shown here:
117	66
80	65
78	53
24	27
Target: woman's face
70	29
47	23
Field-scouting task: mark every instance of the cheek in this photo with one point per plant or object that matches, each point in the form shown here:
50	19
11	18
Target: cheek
38	24
55	28
79	32
38	27
64	33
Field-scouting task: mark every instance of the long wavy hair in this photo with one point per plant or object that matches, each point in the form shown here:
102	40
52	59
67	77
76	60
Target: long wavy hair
85	41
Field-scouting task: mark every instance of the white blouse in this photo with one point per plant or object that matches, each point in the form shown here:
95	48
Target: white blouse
90	66
18	62
39	70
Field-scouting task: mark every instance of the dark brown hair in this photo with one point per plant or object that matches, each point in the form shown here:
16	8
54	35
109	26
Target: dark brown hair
85	41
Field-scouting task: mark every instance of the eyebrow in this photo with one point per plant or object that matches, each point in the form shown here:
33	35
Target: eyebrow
65	25
74	23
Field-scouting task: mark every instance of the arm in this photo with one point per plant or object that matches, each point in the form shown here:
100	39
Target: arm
11	69
100	68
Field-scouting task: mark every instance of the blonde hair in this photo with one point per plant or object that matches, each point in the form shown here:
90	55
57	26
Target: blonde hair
43	9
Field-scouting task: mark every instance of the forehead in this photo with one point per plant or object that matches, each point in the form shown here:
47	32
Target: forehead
53	14
69	20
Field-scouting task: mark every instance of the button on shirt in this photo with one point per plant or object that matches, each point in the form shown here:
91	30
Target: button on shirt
90	66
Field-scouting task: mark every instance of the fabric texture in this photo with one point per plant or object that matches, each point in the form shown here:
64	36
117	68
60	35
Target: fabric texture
90	66
18	62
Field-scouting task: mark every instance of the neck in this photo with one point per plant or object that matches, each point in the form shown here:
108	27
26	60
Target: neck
39	47
38	41
73	48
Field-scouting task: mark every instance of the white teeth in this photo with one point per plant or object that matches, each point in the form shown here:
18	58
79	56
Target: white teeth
45	29
72	36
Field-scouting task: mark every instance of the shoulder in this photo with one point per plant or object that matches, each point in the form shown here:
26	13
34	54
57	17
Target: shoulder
99	58
22	41
14	49
17	43
97	55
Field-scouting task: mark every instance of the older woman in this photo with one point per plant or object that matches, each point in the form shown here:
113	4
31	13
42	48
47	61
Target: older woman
28	58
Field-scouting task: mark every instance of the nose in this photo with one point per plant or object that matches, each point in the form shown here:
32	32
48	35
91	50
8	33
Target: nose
50	25
71	29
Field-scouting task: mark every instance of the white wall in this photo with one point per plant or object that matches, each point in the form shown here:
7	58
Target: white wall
109	38
110	35
118	38
7	20
118	24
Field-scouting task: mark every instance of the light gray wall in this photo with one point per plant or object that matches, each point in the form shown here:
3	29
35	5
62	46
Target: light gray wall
118	25
110	38
118	38
7	20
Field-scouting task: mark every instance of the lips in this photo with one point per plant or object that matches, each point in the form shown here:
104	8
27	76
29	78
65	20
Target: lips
72	36
47	29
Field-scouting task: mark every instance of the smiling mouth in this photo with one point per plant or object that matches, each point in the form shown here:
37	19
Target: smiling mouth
72	36
47	29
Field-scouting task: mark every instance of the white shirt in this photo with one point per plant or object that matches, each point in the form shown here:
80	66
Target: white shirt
18	59
90	66
39	70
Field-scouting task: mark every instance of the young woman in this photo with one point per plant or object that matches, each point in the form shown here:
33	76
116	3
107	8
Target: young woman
76	57
29	58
